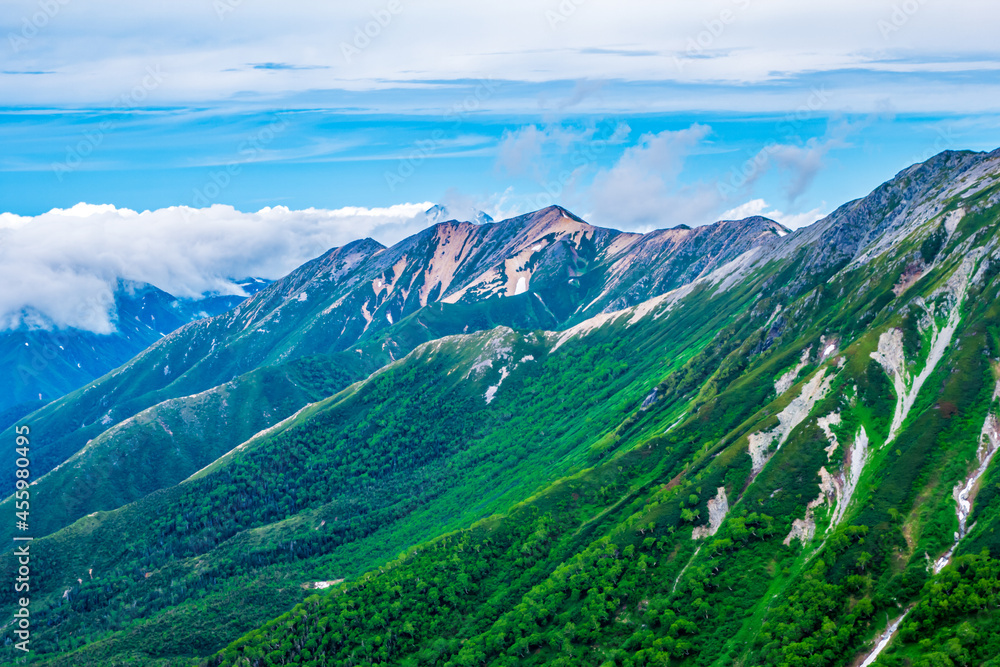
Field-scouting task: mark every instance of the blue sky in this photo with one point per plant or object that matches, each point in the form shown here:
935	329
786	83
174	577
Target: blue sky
635	115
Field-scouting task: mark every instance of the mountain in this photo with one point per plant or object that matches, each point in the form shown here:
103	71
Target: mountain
440	213
44	364
729	445
542	270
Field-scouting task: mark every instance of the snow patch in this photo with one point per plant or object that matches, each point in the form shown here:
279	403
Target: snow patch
320	585
676	423
829	347
522	286
684	569
491	391
883	641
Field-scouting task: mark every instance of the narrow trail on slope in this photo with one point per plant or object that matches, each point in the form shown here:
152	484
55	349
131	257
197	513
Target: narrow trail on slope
684	569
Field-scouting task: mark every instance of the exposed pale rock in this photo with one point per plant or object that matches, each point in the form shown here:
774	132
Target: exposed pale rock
793	415
890	352
802	529
718	508
786	381
825	423
847	480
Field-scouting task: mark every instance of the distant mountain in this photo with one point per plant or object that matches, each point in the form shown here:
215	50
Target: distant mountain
439	213
546	269
43	365
541	442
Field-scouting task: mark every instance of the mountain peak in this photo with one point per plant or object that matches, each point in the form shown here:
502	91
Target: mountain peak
555	208
442	213
758	221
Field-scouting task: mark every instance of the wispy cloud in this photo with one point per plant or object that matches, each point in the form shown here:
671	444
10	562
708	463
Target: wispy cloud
285	66
747	48
643	189
630	53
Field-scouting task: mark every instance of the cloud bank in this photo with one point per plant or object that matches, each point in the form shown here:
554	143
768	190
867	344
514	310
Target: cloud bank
60	269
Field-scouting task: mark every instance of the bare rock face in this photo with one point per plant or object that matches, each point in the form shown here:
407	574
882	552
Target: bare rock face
794	414
785	382
718	508
803	530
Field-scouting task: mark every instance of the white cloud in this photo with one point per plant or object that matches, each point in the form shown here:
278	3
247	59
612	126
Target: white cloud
642	190
528	148
761	207
61	268
93	52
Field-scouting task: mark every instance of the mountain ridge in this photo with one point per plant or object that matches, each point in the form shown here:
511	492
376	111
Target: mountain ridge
759	465
363	289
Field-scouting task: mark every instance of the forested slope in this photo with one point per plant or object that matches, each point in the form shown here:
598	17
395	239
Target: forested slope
767	465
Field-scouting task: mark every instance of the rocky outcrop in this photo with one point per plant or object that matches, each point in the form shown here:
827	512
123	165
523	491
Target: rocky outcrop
718	508
760	443
785	382
892	357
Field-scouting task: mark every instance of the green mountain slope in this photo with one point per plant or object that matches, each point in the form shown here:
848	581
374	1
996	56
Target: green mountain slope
825	512
381	474
768	464
41	363
361	299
